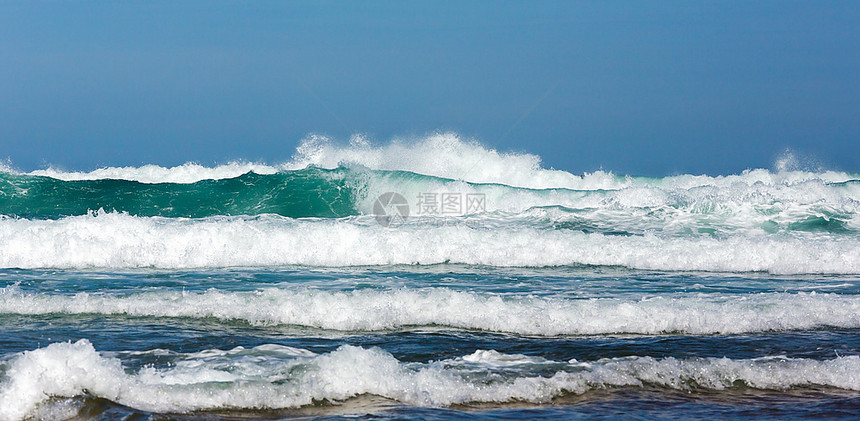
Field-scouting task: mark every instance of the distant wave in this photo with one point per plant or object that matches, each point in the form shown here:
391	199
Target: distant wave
373	310
443	155
274	376
154	174
440	155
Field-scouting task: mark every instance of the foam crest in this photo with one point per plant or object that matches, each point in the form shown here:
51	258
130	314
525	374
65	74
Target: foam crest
752	177
62	369
69	369
446	155
151	174
364	310
114	240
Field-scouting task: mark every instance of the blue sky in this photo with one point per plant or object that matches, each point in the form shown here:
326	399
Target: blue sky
636	87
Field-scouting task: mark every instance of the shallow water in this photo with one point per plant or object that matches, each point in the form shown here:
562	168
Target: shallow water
395	362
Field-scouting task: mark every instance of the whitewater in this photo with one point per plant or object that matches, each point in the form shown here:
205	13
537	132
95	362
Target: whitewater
431	278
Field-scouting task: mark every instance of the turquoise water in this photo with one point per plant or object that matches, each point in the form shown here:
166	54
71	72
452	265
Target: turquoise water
276	292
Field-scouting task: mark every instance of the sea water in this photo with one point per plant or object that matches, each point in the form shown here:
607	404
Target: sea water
500	289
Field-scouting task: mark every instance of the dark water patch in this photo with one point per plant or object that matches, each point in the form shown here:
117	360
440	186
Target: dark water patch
119	333
829	224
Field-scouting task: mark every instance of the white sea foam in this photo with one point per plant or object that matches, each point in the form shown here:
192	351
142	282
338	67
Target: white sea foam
115	240
283	381
371	310
447	155
186	173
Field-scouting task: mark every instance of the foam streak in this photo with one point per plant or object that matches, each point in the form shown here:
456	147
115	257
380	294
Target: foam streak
402	308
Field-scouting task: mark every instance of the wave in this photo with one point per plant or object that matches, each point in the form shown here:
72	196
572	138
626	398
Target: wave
274	376
326	180
441	155
115	240
154	174
341	192
372	310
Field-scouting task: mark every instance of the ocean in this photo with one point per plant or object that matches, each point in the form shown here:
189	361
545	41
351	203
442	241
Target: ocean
428	279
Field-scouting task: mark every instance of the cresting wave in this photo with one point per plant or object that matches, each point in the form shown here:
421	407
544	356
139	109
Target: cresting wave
111	240
371	310
273	376
440	155
443	155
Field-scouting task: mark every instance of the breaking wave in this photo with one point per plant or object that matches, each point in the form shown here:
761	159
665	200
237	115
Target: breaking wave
274	376
371	310
114	240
